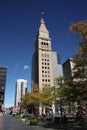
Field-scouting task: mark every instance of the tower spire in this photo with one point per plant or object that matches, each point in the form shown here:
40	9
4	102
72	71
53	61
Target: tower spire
43	31
42	27
42	21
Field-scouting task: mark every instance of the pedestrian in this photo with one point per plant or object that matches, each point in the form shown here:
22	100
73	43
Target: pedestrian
65	118
1	112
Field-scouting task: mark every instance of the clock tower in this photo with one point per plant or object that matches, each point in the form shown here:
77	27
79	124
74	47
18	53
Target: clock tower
44	61
42	70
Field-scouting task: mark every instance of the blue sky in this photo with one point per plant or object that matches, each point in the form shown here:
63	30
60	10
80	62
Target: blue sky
19	23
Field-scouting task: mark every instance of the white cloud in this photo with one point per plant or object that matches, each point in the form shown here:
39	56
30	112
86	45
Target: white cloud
26	67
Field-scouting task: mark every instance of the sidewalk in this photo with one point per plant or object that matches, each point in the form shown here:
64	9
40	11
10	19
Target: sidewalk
1	122
69	125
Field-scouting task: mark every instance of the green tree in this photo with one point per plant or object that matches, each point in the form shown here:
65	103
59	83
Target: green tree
59	96
59	88
69	92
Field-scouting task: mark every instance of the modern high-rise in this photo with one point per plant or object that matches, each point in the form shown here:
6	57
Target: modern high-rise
3	75
21	89
56	67
45	63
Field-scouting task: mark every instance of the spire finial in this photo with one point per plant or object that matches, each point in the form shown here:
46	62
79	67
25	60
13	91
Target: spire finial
42	14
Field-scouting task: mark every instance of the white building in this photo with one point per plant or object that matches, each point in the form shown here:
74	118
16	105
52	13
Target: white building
45	66
68	66
21	89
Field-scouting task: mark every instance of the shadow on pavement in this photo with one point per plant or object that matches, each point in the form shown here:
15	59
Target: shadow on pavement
65	125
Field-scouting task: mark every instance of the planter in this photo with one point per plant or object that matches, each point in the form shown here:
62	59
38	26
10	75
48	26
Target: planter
23	119
17	116
33	122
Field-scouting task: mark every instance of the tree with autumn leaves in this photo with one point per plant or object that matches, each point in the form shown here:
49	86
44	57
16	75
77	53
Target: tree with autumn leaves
46	96
31	99
80	60
75	89
37	97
